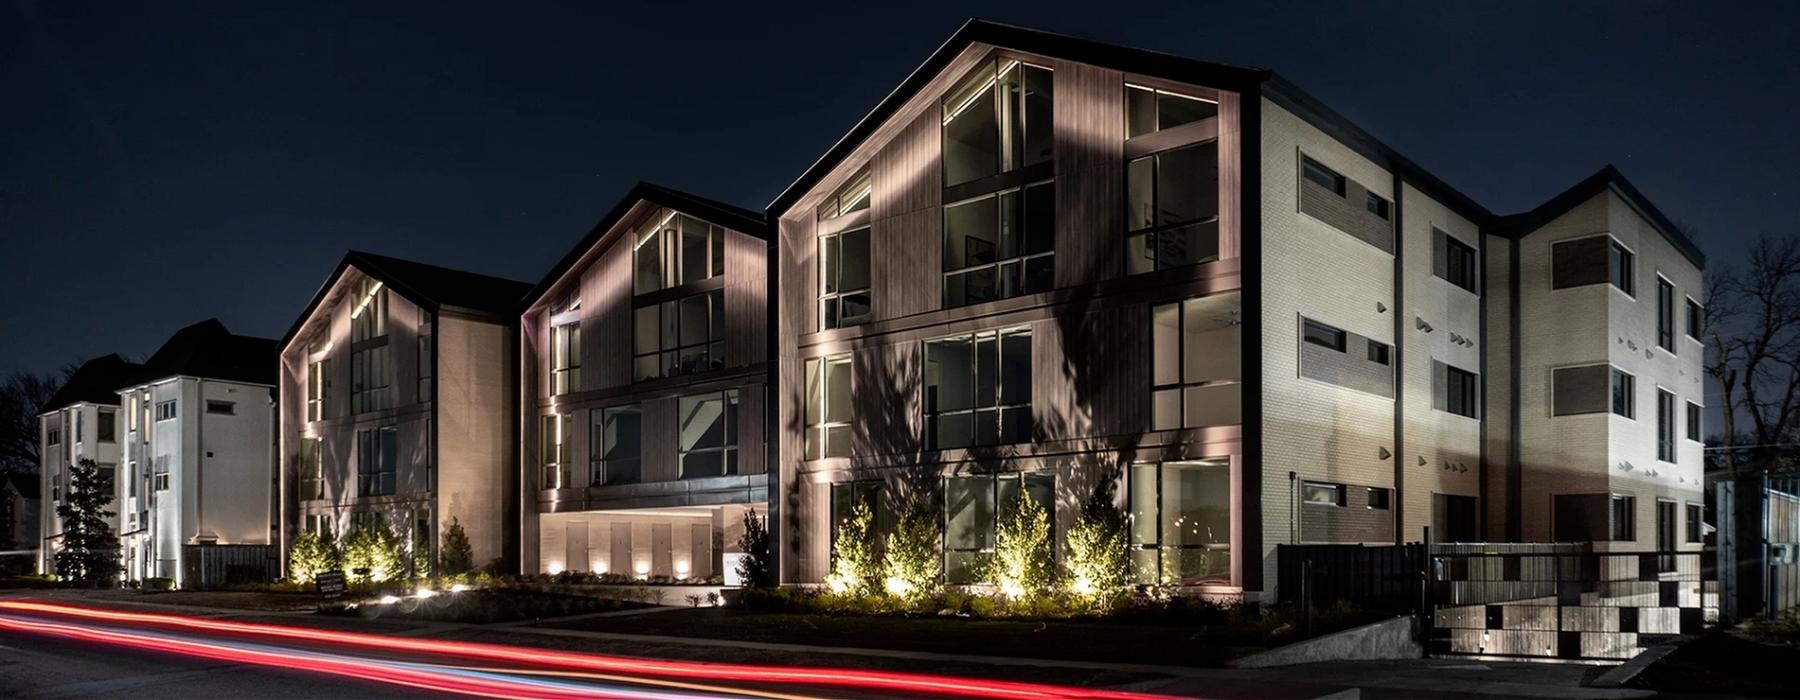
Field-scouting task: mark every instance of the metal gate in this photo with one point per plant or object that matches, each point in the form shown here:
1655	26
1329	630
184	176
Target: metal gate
1561	601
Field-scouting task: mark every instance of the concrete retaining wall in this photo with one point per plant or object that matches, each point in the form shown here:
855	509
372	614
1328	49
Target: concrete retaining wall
1392	639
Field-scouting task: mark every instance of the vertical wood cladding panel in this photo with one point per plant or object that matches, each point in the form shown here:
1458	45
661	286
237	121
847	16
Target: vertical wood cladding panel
799	296
746	299
1089	118
905	174
1090	373
751	427
886	386
606	319
907	262
1231	154
661	435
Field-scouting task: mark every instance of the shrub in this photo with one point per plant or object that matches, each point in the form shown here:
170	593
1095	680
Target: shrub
159	584
1021	562
314	552
855	565
457	557
374	553
910	568
1098	560
756	568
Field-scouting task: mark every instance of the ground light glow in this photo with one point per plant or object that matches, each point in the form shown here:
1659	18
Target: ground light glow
831	677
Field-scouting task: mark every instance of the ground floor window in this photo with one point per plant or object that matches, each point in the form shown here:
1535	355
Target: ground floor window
1181	522
971	506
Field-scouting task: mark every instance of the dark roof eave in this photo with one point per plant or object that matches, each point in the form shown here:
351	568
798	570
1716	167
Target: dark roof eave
1606	179
372	265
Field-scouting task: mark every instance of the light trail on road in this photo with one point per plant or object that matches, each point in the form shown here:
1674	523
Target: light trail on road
612	669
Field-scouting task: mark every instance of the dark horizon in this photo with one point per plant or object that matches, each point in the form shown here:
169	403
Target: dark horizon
166	165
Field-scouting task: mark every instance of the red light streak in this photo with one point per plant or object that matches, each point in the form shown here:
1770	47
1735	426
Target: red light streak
851	678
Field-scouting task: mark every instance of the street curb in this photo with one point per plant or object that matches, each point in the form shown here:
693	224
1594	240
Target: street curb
1621	674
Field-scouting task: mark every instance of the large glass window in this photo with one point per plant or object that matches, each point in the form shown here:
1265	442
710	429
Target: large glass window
998	121
1194	363
1693	423
1149	110
1462	392
828	407
1172	208
1624	394
1000	245
1695	319
844	278
978	389
377	459
1459	262
971	505
707	425
675	249
312	474
368	319
1181	522
565	358
557	431
370	373
615	447
680	337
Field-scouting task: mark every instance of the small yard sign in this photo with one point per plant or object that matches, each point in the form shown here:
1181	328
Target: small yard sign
330	583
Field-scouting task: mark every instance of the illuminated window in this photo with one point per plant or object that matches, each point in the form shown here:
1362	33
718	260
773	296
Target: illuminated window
978	389
1148	110
1172	208
707	425
680	337
1000	245
1180	523
844	278
557	436
999	120
674	249
312	474
852	197
828	407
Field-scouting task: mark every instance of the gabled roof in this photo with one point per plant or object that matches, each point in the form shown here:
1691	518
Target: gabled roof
426	285
733	217
209	350
1608	178
95	381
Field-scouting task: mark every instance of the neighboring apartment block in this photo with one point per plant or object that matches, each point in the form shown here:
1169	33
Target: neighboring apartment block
397	406
80	421
1046	265
198	459
644	386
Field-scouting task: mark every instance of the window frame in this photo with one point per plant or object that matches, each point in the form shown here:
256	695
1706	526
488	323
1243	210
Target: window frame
1156	95
1665	426
1461	384
730	404
1379	206
377	477
167	410
555	444
599	447
1182	383
1665	314
565	357
1150	234
1160	546
1621	267
832	293
669	232
1458	254
1696	319
860	190
1309	488
819	429
1010	144
1002	405
312	469
1022	260
1312	331
369	364
714	342
1625	529
1695	422
1323	175
369	318
106	427
318	387
1614	377
1694	520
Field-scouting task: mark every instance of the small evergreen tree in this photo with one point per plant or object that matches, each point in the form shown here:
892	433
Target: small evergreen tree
1099	558
457	557
420	549
855	565
90	550
1021	563
757	568
314	552
372	552
910	569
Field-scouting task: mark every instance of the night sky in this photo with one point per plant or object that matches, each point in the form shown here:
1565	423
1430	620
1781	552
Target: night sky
163	165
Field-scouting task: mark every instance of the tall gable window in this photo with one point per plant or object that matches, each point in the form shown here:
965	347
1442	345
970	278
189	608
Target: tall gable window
370	369
1000	245
565	348
1149	110
1172	208
997	121
377	458
673	249
844	278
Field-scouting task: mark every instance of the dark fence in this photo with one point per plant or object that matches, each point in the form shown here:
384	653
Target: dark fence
1383	577
215	565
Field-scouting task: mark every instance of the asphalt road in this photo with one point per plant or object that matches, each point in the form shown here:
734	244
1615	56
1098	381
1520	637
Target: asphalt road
57	650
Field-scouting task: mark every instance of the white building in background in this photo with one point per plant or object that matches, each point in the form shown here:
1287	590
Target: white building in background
198	460
81	421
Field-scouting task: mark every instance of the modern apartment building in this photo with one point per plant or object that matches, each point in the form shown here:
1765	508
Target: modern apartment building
80	421
199	426
1044	264
397	405
644	381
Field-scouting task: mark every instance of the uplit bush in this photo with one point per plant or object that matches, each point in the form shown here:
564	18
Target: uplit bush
314	552
910	568
855	564
374	553
1021	566
1098	559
